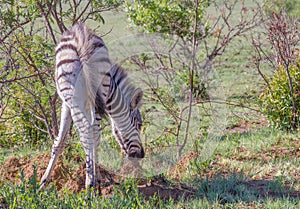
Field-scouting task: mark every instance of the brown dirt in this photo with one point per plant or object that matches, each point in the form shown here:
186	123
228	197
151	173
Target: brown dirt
245	126
74	180
182	166
64	177
161	188
11	169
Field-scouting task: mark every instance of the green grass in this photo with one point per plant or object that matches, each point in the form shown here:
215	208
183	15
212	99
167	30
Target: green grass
237	176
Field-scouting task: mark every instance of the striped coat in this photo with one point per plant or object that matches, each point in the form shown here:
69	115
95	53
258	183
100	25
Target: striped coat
90	88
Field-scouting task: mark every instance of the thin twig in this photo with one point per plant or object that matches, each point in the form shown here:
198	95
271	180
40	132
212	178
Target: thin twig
47	21
191	79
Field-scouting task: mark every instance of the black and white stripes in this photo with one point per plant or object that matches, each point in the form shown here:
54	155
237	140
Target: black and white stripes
91	87
122	105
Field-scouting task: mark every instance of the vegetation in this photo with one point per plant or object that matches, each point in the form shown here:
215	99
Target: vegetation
277	103
168	17
291	7
256	169
280	101
202	108
28	99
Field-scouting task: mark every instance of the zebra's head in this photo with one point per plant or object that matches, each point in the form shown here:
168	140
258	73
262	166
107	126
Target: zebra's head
130	140
135	149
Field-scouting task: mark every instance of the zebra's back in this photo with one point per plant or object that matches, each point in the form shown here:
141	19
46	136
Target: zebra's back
80	55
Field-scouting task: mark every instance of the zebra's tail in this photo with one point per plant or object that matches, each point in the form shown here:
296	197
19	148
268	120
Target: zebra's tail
84	40
81	44
93	56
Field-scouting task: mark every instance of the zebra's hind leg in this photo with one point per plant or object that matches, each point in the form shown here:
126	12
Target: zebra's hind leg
87	139
59	142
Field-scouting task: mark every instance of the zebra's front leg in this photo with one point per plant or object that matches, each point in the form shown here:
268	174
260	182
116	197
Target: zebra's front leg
97	136
59	142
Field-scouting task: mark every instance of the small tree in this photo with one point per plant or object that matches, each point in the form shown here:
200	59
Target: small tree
29	31
190	22
280	100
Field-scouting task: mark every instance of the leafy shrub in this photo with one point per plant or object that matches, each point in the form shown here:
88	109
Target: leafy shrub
168	17
26	91
199	87
276	100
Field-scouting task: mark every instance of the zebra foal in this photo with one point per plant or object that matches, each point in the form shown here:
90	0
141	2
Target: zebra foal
90	88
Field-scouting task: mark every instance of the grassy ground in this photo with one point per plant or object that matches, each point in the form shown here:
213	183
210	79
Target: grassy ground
255	169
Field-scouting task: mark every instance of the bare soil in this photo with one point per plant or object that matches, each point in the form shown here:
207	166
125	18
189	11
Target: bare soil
73	179
245	126
64	177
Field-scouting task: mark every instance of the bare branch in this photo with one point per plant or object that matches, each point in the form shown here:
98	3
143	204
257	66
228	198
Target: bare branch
83	11
23	77
45	14
191	79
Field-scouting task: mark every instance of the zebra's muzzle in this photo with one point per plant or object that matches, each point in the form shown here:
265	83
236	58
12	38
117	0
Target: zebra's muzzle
136	153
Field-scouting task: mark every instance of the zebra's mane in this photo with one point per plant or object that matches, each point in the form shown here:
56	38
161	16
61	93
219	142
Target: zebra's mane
119	77
124	83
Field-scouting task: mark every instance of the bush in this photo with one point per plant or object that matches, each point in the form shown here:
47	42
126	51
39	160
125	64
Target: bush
167	17
276	100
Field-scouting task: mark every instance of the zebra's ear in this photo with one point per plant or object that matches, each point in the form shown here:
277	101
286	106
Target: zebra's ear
136	100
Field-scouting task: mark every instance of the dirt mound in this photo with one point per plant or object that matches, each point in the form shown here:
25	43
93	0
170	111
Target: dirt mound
161	187
64	176
182	166
245	126
11	170
76	181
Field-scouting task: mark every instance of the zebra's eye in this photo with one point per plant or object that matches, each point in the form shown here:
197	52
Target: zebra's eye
139	126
